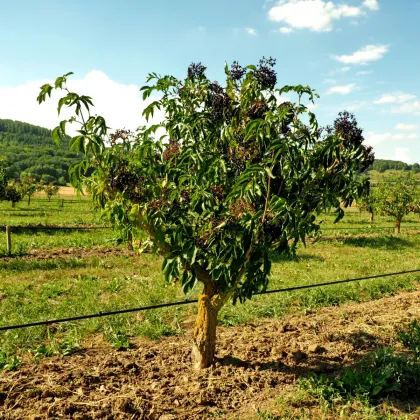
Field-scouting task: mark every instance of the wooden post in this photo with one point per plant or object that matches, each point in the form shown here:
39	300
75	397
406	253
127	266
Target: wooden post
62	203
9	240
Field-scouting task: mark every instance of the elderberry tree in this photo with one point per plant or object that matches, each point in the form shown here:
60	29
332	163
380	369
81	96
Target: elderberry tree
235	177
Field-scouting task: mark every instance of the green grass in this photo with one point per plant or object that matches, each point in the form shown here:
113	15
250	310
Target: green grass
32	290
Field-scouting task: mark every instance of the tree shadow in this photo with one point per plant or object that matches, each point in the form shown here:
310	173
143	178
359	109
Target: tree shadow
379	242
296	258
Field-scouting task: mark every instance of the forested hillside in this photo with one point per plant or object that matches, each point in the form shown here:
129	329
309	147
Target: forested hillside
382	165
27	149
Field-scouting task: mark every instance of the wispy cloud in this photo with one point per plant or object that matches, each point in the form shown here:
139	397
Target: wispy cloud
364	72
373	138
406	127
341	70
342	90
392	98
365	55
285	30
251	31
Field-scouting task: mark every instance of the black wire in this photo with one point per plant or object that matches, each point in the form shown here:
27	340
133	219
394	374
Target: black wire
187	302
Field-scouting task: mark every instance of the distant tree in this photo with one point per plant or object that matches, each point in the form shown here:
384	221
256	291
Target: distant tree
50	190
4	182
13	194
398	197
368	203
29	186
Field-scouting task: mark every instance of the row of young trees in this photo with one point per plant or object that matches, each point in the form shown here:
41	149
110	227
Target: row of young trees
395	198
16	190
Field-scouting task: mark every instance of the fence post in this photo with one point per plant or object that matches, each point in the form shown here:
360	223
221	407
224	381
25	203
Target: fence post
9	240
62	203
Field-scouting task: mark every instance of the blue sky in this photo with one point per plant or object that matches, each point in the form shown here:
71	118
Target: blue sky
360	55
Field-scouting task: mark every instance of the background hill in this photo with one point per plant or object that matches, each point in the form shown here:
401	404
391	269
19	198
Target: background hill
27	149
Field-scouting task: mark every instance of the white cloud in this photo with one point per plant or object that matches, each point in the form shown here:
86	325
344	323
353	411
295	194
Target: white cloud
343	90
315	15
397	97
285	30
406	127
372	138
365	55
371	4
120	104
251	31
403	154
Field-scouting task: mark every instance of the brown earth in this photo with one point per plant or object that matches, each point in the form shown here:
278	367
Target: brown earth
153	380
65	253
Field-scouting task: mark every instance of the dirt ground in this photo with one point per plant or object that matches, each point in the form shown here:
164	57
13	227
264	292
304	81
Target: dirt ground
153	380
66	253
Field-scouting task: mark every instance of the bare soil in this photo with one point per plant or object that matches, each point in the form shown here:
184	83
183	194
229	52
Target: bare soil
153	380
66	253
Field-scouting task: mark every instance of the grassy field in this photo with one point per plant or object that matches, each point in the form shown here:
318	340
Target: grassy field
56	273
66	283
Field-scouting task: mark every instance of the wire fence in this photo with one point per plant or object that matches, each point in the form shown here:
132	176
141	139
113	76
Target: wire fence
190	301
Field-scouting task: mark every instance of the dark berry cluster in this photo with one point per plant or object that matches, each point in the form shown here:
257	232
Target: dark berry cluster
185	196
215	88
217	191
369	157
272	229
219	101
195	70
257	110
265	74
346	127
237	71
172	149
123	177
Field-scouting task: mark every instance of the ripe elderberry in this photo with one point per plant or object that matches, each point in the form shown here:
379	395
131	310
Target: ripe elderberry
265	74
217	191
273	229
237	71
369	157
195	70
346	126
257	110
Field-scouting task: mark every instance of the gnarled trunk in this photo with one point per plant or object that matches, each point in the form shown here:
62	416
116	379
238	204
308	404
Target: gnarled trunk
204	340
398	226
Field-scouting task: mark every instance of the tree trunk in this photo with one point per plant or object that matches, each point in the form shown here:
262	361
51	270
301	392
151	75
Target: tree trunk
130	241
371	217
29	200
13	204
398	226
204	340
